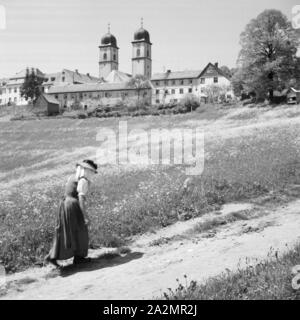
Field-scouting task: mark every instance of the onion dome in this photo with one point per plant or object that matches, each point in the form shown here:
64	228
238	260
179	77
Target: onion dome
109	39
142	35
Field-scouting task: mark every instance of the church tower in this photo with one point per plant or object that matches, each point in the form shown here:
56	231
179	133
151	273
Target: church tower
141	53
109	55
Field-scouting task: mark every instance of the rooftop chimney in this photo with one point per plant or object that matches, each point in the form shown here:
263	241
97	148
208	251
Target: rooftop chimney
76	70
88	74
169	71
216	64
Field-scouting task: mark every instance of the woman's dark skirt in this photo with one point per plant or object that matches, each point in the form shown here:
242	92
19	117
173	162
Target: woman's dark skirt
71	233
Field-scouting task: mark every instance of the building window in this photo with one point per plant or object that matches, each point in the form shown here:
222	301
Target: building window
104	56
190	90
173	91
15	90
52	79
65	96
215	79
157	83
181	82
138	52
90	95
106	95
157	91
166	82
63	79
115	57
166	92
202	80
9	90
157	101
173	82
56	96
148	54
181	91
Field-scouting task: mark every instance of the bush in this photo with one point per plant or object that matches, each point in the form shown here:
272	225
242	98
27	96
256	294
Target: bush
189	102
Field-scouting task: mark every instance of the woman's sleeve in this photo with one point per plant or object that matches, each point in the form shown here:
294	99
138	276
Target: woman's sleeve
82	187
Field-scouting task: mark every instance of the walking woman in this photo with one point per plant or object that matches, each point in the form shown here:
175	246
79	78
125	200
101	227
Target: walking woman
71	232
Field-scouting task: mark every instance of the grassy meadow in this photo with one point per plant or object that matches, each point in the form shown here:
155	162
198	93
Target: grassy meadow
248	152
268	280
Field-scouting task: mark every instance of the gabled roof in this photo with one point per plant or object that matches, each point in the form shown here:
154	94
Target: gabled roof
172	75
217	69
116	76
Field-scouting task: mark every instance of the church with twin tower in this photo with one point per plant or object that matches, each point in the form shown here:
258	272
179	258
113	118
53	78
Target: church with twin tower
141	54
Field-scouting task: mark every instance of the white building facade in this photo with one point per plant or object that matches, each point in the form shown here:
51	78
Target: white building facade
173	86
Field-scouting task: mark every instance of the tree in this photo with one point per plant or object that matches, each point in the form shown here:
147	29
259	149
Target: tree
226	71
139	83
31	88
190	102
216	93
267	60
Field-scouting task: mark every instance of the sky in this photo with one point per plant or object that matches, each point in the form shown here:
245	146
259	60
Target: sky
186	34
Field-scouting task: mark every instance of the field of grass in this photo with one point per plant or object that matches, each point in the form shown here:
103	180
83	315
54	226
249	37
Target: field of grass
247	152
267	280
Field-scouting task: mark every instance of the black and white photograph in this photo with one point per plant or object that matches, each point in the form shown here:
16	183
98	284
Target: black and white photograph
149	150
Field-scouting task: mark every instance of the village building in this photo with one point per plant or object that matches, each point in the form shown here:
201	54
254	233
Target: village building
172	86
46	104
10	91
85	96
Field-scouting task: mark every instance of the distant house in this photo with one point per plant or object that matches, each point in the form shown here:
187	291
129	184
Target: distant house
46	104
293	96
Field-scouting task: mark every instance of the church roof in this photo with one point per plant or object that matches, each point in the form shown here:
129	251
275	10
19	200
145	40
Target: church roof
117	76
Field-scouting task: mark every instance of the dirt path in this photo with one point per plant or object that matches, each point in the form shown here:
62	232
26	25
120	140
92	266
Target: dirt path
150	269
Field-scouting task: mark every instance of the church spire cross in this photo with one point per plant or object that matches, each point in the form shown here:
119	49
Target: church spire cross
142	22
108	27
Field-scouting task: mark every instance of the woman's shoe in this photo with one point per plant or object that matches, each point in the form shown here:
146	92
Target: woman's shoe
53	262
79	260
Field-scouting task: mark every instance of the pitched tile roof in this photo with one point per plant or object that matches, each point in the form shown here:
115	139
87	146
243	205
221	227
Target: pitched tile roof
116	76
49	98
189	74
70	77
88	87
